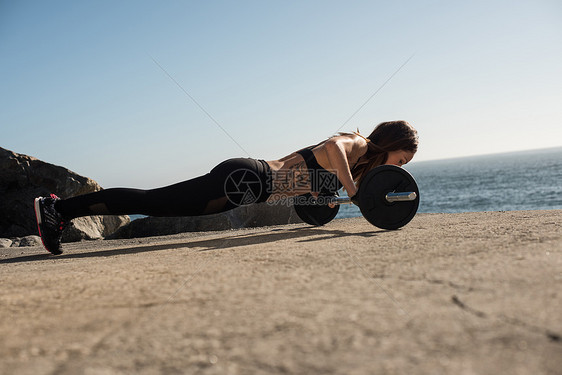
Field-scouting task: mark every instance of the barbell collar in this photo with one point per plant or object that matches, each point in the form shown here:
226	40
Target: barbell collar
341	200
403	196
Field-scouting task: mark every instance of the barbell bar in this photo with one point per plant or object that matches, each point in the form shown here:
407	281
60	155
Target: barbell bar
403	196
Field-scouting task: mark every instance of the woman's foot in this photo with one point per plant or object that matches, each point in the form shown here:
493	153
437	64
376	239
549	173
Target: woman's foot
50	223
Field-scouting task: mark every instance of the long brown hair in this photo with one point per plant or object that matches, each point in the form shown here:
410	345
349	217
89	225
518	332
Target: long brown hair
387	136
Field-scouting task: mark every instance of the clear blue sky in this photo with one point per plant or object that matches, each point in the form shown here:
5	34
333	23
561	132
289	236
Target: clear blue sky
79	86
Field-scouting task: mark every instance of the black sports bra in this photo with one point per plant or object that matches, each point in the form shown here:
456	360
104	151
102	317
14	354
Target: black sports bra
321	180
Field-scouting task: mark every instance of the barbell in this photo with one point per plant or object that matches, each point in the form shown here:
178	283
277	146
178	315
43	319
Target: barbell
388	198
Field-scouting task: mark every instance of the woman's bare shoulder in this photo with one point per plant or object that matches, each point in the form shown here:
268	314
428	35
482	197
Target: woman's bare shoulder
349	141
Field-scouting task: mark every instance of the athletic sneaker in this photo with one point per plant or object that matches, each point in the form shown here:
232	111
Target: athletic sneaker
50	223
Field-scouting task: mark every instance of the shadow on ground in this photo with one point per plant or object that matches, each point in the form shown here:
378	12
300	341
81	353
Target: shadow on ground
308	234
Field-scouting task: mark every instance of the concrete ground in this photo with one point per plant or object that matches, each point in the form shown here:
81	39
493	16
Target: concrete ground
471	293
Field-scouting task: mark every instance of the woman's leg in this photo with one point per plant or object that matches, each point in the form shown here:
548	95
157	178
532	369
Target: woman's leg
187	198
225	187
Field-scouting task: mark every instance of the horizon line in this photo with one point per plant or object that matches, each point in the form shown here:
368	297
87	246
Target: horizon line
490	154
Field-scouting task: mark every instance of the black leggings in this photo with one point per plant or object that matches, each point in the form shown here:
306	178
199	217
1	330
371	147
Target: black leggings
230	184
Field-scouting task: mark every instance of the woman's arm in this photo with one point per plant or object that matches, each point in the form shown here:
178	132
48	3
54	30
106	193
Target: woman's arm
338	151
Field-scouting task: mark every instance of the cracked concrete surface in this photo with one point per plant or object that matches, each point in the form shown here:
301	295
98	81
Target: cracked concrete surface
471	293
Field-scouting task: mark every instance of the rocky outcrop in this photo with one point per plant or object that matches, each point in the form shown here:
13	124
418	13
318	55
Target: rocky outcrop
22	178
254	215
26	241
93	227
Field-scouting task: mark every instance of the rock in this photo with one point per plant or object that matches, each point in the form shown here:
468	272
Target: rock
254	215
27	241
5	242
93	227
23	178
262	214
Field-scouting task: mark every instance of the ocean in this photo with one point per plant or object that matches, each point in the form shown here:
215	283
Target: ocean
526	180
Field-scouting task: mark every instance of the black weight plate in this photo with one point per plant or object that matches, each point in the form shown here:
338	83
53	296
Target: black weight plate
372	197
315	214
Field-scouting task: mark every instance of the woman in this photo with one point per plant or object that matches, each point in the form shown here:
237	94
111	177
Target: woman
339	161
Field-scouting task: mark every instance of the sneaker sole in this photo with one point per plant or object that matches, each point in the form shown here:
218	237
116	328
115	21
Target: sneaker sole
37	207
